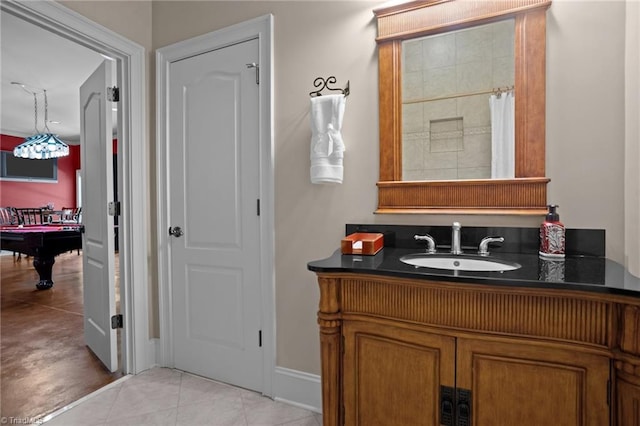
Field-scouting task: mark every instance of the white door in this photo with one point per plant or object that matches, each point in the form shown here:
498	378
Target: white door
214	187
97	190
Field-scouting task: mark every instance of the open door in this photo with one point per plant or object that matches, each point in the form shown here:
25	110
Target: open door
96	135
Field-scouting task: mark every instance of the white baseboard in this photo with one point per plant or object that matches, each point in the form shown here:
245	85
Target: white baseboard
153	353
148	359
292	387
298	388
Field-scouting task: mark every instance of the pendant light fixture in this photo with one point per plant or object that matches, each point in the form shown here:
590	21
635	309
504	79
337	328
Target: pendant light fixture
41	146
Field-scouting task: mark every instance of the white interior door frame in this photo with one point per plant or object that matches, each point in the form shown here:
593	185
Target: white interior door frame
137	353
78	188
261	28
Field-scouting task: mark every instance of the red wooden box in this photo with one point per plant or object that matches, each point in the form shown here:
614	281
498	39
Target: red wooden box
362	243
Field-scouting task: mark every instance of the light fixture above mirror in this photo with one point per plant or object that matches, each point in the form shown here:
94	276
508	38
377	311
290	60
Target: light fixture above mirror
523	194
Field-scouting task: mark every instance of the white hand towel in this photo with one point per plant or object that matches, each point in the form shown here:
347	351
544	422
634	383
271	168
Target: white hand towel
327	146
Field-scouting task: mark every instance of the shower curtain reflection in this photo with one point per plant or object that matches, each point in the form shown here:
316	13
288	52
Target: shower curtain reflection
502	135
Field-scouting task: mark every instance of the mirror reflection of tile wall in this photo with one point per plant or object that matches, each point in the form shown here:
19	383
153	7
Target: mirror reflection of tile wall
450	138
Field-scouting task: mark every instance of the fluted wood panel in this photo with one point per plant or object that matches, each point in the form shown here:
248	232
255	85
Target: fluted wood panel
428	17
565	319
527	193
630	335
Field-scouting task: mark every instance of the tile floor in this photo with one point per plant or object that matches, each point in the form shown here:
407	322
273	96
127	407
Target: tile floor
163	396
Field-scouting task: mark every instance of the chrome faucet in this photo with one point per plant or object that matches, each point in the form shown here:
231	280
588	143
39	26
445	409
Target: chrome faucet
483	248
431	243
455	238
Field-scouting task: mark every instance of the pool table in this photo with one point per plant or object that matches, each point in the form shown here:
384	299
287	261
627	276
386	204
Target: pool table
43	242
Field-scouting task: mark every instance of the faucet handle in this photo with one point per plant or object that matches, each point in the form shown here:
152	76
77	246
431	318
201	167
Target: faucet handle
483	248
431	243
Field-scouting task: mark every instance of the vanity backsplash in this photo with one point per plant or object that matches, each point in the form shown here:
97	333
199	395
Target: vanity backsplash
579	242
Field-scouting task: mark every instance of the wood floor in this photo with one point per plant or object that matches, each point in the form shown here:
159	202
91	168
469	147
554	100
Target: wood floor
44	362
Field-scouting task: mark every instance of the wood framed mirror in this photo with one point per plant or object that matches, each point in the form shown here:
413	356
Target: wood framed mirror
523	194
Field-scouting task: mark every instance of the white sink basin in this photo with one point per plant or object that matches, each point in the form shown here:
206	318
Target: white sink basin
459	263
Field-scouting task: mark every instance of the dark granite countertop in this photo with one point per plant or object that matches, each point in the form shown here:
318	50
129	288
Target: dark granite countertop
576	272
593	274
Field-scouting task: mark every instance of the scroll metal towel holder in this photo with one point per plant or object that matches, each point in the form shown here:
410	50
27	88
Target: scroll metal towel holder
321	84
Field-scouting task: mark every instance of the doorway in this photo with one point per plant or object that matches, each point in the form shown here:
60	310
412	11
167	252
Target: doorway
215	258
181	313
137	353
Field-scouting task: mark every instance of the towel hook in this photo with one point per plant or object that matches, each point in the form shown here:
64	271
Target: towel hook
321	84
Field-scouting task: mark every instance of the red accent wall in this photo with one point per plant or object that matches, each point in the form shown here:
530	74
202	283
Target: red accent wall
38	194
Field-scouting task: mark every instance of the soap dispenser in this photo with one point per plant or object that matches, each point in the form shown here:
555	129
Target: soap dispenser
552	235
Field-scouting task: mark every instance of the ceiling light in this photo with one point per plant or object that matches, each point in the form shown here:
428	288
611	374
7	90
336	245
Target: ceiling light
41	146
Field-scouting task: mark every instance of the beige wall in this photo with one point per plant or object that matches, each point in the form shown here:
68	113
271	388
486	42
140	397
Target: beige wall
632	136
131	19
585	116
311	39
585	130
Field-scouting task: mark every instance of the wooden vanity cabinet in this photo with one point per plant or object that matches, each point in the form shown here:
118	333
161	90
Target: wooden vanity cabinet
628	395
522	383
393	375
406	352
627	368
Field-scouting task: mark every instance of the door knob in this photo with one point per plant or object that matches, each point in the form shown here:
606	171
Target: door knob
176	231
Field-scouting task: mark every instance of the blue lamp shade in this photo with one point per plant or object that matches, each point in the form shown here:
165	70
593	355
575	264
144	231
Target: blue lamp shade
41	147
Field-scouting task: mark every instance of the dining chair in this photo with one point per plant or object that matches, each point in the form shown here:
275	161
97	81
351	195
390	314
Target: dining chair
8	216
71	215
30	216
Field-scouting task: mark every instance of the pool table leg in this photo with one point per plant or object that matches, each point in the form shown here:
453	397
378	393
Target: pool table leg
44	266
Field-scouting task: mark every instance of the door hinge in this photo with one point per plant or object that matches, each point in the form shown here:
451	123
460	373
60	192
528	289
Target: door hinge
259	338
114	208
257	67
113	94
258	206
117	321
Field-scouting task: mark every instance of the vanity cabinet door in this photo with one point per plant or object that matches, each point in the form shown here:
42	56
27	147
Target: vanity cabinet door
628	392
393	376
529	384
